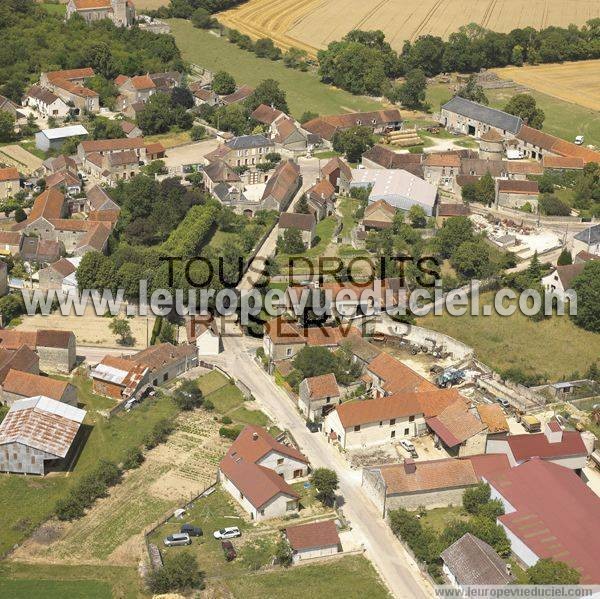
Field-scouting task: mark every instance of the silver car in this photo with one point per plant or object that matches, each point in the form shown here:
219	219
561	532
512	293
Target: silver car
177	539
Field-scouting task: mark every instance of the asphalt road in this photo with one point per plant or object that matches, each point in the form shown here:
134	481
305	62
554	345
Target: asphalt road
391	560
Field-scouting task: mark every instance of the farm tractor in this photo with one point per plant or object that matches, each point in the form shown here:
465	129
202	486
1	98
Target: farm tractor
450	377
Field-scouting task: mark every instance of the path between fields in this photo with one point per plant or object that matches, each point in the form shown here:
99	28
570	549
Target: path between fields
389	557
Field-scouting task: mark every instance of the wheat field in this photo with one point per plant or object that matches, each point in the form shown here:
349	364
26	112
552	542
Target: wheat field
312	24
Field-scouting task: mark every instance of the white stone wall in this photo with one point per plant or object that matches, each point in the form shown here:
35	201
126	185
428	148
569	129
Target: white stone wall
287	467
315	552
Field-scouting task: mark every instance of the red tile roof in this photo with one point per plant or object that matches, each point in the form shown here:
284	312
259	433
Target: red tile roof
326	126
9	174
455	424
492	415
312	535
49	204
23	358
266	114
453	209
555	514
397	376
70	74
442	159
537	445
112	145
294	220
13	339
30	385
566	162
320	387
354	413
254	442
521	187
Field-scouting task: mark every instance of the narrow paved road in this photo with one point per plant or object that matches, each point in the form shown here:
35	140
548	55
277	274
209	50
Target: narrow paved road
391	560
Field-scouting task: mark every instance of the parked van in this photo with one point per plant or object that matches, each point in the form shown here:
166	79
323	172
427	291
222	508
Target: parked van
177	539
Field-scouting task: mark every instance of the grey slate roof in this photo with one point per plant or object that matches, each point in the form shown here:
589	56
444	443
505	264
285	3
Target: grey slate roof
484	114
245	142
472	561
591	235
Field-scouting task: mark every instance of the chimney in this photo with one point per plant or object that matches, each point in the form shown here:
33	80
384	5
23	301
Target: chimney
255	436
553	431
409	466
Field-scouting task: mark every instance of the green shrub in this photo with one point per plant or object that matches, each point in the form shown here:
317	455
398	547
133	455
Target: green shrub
226	420
134	457
208	405
229	433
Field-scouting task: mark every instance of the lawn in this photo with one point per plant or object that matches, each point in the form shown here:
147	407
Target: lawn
351	577
348	206
29	501
23	581
439	518
554	346
304	90
226	398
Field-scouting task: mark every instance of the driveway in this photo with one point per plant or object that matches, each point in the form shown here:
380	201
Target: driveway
391	560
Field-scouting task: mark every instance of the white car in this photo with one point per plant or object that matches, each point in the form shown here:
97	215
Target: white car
231	532
408	446
579	140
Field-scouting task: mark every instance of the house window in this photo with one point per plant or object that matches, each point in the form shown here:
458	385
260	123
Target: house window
411	418
392	434
392	422
406	431
381	423
262	512
165	376
356	428
290	506
328	400
279	461
297	473
288	351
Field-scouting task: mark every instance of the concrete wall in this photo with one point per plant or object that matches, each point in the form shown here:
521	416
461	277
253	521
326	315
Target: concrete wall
16	457
474	445
516	200
315	552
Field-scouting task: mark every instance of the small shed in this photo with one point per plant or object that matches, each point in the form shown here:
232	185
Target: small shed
317	539
53	139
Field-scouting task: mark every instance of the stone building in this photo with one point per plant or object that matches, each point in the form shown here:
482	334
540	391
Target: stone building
491	145
19	385
512	193
318	396
120	12
9	182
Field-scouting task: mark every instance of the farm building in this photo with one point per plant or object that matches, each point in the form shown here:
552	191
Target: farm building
22	359
471	561
318	396
399	188
315	539
53	139
380	121
512	193
305	223
9	182
19	385
117	378
35	431
471	118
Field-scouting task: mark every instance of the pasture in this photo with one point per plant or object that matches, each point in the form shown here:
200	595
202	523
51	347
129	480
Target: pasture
312	24
575	82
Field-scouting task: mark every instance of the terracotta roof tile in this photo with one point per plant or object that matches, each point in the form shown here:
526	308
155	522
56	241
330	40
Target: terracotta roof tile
354	413
9	174
493	417
312	535
396	376
30	385
521	187
320	387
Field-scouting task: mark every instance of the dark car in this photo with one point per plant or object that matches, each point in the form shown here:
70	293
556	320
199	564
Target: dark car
313	427
193	531
228	550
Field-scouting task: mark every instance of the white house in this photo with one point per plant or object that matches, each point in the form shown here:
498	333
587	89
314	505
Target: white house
560	280
46	102
203	331
316	539
256	470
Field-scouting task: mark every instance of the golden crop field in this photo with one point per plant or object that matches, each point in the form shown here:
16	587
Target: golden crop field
577	82
312	24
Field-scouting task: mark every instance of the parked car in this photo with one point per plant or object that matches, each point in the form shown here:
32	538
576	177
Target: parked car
177	539
131	402
231	532
579	140
228	550
193	531
503	402
406	444
313	427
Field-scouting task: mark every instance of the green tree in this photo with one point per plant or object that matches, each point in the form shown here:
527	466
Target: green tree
167	332
202	20
471	90
471	260
294	58
188	395
265	48
325	482
552	205
120	328
283	553
565	258
456	230
525	106
197	132
587	287
291	241
302	205
267	92
20	215
353	142
475	497
223	83
157	114
549	571
11	306
417	217
7	126
314	361
179	573
546	183
307	115
411	93
486	189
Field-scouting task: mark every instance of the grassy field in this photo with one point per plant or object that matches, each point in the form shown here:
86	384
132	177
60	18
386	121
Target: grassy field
304	90
554	346
28	501
563	119
24	581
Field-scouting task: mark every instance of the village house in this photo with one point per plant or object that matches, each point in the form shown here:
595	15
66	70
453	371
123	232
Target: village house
512	193
22	359
256	470
246	150
282	186
289	138
130	130
10	243
53	139
69	85
587	241
19	385
112	146
39	251
239	95
380	122
9	107
305	223
321	199
98	200
165	361
378	215
120	12
38	430
471	561
9	182
385	375
440	169
218	172
429	483
59	275
565	448
339	174
381	157
312	540
203	331
398	188
549	512
56	349
68	184
50	205
118	378
446	211
318	395
560	280
204	95
134	89
522	169
562	163
46	102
